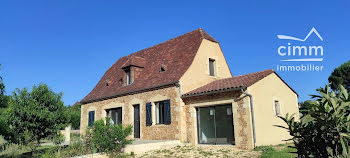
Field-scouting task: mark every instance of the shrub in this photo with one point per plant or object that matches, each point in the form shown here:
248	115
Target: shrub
13	150
324	129
3	142
76	148
109	138
58	138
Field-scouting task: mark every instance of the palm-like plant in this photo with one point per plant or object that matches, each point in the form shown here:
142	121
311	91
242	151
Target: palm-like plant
324	130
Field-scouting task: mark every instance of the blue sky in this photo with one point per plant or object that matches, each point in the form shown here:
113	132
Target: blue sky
70	44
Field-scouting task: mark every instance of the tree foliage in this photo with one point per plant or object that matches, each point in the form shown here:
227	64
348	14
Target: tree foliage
323	130
73	115
3	98
36	115
5	131
340	76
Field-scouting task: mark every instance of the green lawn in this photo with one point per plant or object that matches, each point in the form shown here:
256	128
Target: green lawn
279	151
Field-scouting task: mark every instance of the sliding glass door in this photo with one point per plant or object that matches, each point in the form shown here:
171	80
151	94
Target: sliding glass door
215	125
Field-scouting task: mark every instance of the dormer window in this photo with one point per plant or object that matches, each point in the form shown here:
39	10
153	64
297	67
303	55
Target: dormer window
162	69
128	76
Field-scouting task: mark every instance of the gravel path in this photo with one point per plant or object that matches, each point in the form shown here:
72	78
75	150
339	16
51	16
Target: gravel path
210	151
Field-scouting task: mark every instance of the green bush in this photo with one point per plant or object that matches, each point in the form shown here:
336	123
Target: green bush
324	129
109	138
3	142
12	150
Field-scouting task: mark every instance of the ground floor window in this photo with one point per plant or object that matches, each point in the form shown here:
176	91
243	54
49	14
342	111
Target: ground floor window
162	110
115	114
215	125
91	118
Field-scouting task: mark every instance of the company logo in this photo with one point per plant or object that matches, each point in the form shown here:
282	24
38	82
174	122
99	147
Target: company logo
299	50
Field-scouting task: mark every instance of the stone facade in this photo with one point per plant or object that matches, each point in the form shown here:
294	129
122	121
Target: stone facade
183	114
153	132
241	116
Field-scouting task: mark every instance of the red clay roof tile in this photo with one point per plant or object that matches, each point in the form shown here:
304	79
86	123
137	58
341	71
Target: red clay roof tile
231	83
177	54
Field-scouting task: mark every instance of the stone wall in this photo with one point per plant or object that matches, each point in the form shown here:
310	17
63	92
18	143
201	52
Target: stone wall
241	116
154	132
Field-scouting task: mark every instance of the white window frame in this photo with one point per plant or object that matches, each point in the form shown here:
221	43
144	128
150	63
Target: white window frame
279	112
128	77
214	66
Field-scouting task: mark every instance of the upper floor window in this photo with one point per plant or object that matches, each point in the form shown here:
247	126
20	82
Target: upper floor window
128	76
277	108
211	67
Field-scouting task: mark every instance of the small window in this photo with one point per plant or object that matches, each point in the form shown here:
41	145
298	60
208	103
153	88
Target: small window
91	119
163	112
162	69
277	108
128	76
211	67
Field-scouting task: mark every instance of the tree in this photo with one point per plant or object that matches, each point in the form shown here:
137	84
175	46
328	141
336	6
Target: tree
3	98
323	130
36	115
4	126
340	76
73	115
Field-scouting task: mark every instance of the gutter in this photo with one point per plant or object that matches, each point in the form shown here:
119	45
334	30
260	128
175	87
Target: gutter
252	113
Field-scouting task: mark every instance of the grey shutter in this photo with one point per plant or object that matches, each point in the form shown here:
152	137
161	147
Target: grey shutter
148	114
91	118
167	114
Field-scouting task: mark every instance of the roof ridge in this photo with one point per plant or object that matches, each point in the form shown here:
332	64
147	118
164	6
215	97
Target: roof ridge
252	73
204	34
164	42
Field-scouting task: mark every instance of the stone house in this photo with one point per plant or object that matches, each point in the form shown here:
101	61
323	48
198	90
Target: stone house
182	89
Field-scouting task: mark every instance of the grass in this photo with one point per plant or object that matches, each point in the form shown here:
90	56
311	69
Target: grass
14	150
279	151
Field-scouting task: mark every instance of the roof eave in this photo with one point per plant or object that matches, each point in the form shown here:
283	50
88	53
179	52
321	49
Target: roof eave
213	92
175	83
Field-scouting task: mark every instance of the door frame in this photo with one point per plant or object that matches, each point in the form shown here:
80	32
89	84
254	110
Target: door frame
198	124
139	123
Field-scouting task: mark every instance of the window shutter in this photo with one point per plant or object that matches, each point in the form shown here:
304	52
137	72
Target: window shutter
167	114
91	118
148	114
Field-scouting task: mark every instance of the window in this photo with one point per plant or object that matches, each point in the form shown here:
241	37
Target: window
277	108
128	76
91	118
163	112
162	69
160	112
211	67
115	114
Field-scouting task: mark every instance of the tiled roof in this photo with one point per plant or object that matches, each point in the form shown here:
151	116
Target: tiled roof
175	54
231	83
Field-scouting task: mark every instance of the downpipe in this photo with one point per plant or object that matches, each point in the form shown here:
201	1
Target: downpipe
252	114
